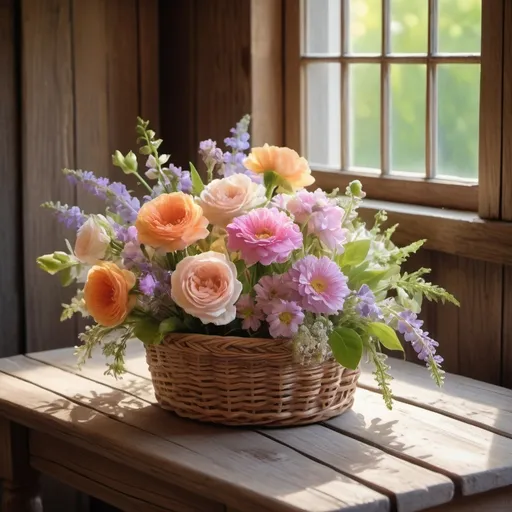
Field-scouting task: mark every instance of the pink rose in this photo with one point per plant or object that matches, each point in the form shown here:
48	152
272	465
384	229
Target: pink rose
206	287
223	200
92	240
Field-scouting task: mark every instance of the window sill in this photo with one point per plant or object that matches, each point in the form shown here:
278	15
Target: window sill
450	231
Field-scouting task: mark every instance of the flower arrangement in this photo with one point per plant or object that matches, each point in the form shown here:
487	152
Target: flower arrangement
249	252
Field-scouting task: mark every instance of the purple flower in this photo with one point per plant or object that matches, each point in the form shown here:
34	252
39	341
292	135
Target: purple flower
210	153
366	306
410	326
71	217
325	224
147	285
251	314
121	201
270	288
319	284
264	235
304	203
92	184
239	140
285	318
125	234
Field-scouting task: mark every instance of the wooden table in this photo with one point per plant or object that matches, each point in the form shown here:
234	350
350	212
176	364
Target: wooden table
447	450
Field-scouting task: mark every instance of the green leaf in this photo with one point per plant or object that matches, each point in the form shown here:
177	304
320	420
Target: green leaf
147	331
373	277
67	276
385	334
347	347
53	263
355	252
197	182
171	324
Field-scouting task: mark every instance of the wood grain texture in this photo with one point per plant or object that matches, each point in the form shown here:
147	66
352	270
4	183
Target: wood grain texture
178	112
447	231
494	501
484	405
239	467
223	66
130	490
148	39
48	146
491	90
506	356
19	489
412	487
11	283
417	191
91	95
476	459
266	19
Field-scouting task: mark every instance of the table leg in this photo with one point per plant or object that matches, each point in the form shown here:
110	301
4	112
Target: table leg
20	486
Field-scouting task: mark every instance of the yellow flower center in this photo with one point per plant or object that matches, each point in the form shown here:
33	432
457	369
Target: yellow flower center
319	285
286	317
264	234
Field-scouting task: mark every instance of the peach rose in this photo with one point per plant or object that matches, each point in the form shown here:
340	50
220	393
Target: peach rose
223	200
106	294
283	161
171	222
92	240
205	286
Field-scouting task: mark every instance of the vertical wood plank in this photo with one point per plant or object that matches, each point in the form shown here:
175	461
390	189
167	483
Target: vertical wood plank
11	282
480	292
91	100
223	66
267	72
506	194
48	124
178	33
122	81
293	76
148	61
491	88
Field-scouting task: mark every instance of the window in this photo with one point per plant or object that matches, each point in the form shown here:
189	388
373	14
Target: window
389	92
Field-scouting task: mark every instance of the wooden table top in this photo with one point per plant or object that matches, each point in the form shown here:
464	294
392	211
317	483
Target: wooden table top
434	444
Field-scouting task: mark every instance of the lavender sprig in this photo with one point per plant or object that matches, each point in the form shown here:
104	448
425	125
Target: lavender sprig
72	217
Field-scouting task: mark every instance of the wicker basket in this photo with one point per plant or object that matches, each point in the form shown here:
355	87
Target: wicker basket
246	381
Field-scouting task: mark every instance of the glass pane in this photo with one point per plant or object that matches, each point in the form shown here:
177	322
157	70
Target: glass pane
323	114
365	22
409	26
364	111
458	117
408	111
323	26
459	26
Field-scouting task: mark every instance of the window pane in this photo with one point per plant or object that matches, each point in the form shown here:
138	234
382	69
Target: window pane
460	26
458	117
323	114
365	22
409	26
364	111
408	111
323	26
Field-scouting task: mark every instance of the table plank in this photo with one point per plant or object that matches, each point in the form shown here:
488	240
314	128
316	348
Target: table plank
469	400
412	487
129	490
477	459
239	467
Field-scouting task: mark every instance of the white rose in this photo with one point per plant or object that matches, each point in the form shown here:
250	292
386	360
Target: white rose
223	200
92	240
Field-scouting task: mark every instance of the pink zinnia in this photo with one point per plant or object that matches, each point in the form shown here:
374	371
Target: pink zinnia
251	314
264	235
319	284
285	318
325	224
270	288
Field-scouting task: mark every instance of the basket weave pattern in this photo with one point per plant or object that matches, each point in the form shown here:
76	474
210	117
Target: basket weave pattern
246	381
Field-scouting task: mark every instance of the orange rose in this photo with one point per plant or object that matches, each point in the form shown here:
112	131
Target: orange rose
106	294
283	161
171	222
